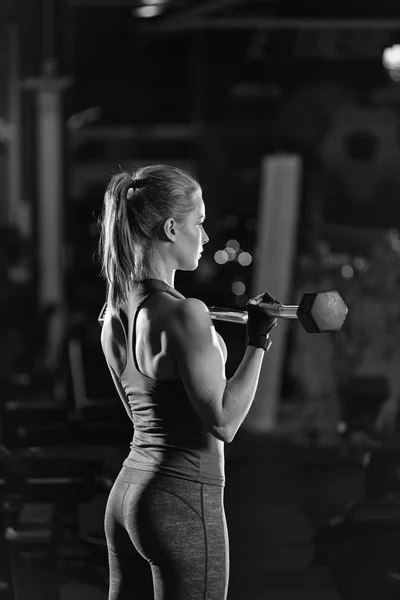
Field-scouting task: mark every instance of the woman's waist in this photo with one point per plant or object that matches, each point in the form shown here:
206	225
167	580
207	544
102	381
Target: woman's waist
191	439
182	459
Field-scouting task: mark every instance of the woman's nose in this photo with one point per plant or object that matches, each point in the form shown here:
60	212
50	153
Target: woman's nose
205	237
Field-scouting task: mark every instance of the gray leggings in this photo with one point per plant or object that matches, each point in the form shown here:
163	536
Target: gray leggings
167	538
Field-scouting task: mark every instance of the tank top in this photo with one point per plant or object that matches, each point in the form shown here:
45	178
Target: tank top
169	436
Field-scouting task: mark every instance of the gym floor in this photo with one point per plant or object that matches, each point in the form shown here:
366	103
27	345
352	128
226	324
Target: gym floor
275	496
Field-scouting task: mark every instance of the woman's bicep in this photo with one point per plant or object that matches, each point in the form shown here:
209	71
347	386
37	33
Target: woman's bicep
200	360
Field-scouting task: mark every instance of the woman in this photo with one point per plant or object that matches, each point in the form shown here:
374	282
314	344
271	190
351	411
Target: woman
165	523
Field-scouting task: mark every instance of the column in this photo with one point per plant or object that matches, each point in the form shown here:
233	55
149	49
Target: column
273	268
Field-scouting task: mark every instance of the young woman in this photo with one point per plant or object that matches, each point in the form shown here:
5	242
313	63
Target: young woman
165	522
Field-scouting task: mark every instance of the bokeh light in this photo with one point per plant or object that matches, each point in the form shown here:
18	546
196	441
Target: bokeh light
245	259
359	263
221	257
231	253
234	244
347	271
238	288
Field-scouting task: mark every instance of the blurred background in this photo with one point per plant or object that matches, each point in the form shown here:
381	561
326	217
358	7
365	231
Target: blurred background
289	115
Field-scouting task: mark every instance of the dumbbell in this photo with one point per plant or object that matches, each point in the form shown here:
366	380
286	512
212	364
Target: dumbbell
318	312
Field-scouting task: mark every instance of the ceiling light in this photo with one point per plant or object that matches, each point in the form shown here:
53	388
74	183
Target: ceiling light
391	57
147	11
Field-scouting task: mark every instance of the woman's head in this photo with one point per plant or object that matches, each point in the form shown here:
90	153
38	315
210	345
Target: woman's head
155	208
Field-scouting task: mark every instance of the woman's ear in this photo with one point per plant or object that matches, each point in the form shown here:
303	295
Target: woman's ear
170	229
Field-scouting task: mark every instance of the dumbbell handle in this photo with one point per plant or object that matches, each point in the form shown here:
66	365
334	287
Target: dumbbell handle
238	316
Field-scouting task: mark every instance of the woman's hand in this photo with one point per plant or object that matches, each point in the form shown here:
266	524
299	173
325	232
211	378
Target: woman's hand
259	323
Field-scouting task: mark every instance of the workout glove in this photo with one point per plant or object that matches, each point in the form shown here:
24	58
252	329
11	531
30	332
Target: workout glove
259	324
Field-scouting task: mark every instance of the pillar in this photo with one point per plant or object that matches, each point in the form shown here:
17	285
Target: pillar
48	90
272	271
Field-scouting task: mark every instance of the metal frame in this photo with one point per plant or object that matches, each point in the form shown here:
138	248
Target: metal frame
201	16
270	23
188	17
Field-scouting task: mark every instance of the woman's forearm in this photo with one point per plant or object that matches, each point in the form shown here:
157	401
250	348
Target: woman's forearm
240	391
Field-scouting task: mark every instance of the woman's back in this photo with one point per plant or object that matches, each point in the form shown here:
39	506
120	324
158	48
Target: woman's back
169	435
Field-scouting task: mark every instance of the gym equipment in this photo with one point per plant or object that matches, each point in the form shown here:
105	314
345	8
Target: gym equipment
34	423
40	538
318	312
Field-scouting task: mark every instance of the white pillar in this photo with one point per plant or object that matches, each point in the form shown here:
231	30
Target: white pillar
50	209
272	271
48	90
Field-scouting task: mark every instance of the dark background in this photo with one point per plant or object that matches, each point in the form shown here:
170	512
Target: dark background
214	87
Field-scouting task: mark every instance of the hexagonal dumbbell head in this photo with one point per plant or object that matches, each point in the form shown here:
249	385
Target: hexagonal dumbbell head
322	311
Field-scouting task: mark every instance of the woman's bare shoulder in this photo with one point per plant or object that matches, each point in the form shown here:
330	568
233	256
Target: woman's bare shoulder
163	305
164	308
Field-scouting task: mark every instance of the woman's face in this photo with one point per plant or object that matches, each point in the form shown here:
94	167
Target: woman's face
192	237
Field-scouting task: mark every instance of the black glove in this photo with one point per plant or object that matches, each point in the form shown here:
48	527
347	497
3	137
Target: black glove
259	324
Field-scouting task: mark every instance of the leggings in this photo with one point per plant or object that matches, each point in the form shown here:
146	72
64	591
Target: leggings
166	537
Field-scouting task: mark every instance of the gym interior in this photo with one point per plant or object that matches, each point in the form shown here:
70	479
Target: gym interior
288	113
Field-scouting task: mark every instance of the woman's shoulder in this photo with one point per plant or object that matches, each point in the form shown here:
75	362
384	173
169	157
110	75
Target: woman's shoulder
188	311
165	304
170	312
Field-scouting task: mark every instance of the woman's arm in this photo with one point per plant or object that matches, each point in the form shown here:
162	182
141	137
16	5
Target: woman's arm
221	405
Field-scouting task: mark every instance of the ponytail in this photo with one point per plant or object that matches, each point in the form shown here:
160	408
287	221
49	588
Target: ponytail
121	256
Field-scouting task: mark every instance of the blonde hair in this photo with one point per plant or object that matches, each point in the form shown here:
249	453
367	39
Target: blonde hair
135	207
